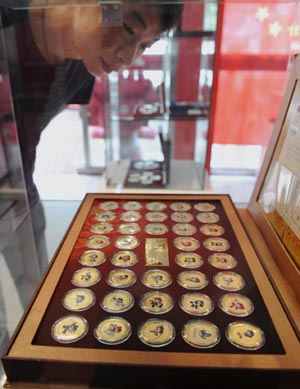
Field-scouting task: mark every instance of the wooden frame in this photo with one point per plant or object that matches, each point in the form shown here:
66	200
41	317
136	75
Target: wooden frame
25	361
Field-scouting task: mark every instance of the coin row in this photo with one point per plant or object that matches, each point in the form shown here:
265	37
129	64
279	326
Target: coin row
183	243
158	279
186	259
115	330
157	302
183	229
157	216
157	206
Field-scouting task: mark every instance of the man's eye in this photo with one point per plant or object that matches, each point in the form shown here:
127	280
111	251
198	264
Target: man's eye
128	29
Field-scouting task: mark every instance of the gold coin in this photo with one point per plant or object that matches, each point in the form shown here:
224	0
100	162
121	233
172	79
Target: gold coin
156	216
130	216
204	207
192	280
86	277
92	258
184	229
222	261
124	258
212	230
156	206
105	216
197	304
156	302
180	206
182	217
129	228
97	241
156	279
101	228
186	243
132	206
189	260
228	280
235	304
216	244
156	229
121	278
108	205
201	334
127	242
208	217
117	301
79	299
69	329
245	335
156	333
112	330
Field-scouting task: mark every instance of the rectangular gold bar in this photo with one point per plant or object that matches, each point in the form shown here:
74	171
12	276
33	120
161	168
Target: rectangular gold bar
156	252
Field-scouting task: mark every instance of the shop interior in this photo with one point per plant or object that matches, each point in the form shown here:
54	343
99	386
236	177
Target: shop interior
194	114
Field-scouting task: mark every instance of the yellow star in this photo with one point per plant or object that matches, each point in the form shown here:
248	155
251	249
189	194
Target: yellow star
294	30
262	13
274	28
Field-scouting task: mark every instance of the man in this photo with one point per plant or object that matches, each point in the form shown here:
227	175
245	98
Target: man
59	50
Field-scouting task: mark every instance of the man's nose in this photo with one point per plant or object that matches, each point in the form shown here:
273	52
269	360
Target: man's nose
127	55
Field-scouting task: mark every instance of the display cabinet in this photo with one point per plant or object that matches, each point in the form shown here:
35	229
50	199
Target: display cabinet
174	288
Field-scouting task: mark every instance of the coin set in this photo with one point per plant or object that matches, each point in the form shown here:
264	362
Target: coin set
158	274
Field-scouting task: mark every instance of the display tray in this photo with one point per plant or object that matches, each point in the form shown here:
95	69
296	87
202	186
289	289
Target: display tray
151	281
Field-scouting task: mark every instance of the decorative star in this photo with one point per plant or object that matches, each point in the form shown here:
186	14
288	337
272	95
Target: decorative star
262	13
294	30
274	29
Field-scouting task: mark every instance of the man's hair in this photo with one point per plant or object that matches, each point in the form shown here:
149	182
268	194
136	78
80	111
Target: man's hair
170	14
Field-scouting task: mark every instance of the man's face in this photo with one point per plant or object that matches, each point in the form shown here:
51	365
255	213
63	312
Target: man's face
106	49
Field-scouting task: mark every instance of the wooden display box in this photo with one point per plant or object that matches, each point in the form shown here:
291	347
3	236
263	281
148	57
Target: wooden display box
258	252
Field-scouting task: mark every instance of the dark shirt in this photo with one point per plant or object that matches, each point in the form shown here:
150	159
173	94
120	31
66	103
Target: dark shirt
39	90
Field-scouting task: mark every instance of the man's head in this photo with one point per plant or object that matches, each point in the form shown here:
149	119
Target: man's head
104	49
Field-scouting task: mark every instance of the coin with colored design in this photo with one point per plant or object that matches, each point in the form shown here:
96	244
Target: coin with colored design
86	277
132	206
182	217
127	242
79	299
228	280
108	205
105	216
222	261
186	243
117	301
130	216
180	206
156	302
121	278
212	230
156	216
208	217
156	333
235	304
113	330
216	244
197	304
156	229
156	206
156	279
97	241
184	229
201	334
101	228
92	258
189	260
129	228
69	329
192	279
204	207
124	258
245	335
